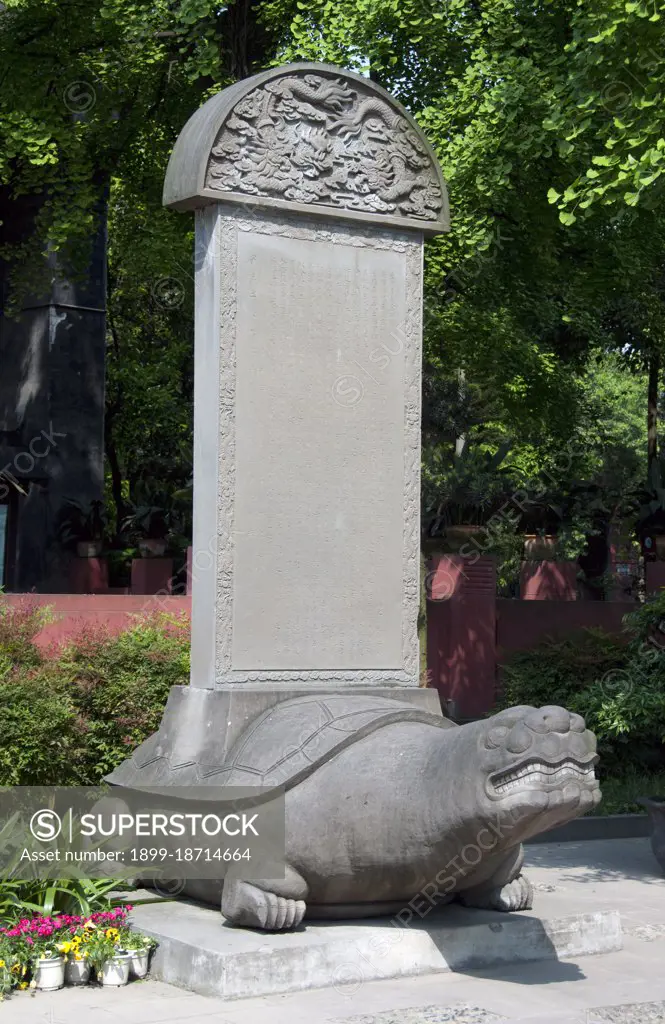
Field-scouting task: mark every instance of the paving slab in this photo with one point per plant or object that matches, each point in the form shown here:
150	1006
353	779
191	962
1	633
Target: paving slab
620	873
549	992
623	987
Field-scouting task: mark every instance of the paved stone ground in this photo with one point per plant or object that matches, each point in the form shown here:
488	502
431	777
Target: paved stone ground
619	988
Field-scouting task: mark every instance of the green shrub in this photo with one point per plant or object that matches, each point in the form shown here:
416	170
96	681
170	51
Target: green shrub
120	685
557	670
626	707
20	622
621	794
40	734
619	688
71	718
21	899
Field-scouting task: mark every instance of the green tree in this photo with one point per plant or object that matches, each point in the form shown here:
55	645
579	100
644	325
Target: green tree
522	298
93	97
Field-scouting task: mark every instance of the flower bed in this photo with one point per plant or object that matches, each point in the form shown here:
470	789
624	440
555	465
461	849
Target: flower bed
75	946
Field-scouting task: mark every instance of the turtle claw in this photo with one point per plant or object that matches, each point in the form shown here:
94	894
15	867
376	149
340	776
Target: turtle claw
515	895
246	905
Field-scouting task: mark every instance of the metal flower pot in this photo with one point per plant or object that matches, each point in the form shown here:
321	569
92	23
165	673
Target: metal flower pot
115	972
655	808
50	973
77	972
138	967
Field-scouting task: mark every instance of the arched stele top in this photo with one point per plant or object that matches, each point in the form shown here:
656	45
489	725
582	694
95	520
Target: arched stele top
311	138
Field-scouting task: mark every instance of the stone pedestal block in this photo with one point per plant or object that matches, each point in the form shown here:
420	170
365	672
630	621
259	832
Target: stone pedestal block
152	575
548	581
88	576
195	953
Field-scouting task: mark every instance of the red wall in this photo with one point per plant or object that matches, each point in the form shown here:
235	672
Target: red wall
461	633
71	612
521	625
468	636
655	577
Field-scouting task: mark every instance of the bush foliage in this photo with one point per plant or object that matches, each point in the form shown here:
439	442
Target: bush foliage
70	718
617	684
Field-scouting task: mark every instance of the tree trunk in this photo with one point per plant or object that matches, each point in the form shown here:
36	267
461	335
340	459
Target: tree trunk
116	478
652	411
460	440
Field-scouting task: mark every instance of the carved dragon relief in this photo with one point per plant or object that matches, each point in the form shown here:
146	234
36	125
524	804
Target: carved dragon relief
314	139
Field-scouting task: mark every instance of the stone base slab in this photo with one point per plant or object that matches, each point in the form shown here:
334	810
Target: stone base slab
198	951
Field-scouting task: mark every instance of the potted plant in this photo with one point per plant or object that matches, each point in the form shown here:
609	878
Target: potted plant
139	948
462	495
104	952
77	963
13	968
49	969
82	526
541	525
7	981
151	523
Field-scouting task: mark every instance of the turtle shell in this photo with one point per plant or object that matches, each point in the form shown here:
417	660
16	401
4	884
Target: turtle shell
289	741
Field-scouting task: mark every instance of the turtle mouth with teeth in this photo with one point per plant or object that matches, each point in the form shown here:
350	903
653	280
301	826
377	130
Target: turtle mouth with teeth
537	774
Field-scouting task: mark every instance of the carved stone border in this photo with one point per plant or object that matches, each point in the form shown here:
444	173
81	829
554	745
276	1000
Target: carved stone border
231	222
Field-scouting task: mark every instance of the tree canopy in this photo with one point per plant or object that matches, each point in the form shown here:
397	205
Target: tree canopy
544	305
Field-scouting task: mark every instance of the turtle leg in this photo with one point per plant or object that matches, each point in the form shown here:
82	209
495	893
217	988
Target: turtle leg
271	904
507	889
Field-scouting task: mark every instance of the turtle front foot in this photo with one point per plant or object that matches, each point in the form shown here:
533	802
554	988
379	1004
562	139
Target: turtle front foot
515	895
247	906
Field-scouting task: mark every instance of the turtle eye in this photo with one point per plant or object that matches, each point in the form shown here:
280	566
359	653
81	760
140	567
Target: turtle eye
496	736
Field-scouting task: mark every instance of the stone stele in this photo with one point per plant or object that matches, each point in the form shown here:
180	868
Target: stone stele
313	191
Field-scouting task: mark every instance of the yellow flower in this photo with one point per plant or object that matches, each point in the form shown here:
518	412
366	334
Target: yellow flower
23	985
16	969
64	947
89	926
112	933
2	963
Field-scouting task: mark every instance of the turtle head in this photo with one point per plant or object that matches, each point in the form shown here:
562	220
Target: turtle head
537	767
